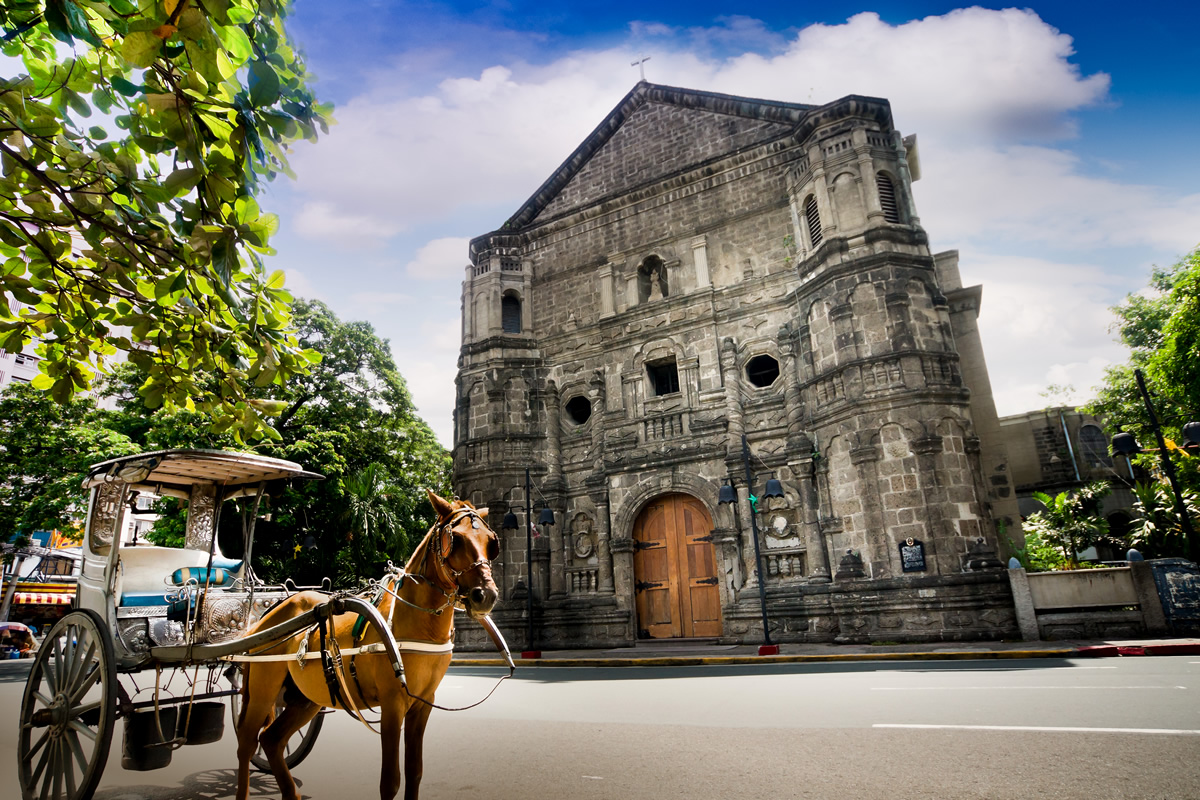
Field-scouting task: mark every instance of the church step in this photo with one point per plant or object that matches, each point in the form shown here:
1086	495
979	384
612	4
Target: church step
658	644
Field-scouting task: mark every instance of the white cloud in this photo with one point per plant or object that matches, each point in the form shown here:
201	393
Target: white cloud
440	258
429	371
300	285
992	94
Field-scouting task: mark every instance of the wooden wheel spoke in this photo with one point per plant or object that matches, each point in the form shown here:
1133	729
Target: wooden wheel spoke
77	669
68	765
79	727
69	651
39	744
56	770
36	775
52	671
41	698
79	711
88	681
77	750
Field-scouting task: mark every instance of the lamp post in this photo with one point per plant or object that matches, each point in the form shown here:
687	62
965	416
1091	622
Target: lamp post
729	495
510	523
1126	444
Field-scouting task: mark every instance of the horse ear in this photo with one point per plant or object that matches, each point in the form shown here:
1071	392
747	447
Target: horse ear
442	507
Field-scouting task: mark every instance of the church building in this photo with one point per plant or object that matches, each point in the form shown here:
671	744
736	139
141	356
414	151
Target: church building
717	299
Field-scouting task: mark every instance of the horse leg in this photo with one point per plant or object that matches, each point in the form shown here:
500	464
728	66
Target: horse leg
262	685
414	741
391	719
298	712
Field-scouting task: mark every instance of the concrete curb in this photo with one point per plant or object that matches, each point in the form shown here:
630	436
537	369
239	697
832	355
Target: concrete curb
685	661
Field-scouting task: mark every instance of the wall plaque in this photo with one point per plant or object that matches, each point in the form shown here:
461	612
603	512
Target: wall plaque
912	555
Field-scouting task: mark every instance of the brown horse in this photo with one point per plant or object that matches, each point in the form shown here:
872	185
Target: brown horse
449	567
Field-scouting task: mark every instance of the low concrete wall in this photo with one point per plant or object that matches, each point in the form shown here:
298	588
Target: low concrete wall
1115	602
1082	588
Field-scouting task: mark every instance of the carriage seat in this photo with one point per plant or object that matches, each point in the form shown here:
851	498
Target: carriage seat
152	576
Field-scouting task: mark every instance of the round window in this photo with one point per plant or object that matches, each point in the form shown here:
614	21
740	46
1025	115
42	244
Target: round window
762	370
579	409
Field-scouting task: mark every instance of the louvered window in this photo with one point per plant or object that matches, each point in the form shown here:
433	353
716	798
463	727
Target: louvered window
814	221
887	198
510	314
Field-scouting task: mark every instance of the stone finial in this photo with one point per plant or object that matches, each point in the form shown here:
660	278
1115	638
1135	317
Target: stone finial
851	566
982	555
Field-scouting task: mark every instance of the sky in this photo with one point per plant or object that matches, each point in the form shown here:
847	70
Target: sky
1058	148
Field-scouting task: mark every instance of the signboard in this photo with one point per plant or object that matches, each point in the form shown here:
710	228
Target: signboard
912	555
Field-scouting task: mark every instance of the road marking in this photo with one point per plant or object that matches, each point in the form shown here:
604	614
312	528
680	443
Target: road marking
1040	729
1009	688
592	777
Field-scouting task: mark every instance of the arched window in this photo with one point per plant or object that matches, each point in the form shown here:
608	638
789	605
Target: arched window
813	217
1094	446
510	313
652	280
887	197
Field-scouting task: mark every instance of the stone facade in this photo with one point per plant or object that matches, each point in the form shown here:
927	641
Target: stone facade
706	270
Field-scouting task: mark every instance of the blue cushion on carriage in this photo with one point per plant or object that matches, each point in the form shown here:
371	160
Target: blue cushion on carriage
201	576
227	564
144	599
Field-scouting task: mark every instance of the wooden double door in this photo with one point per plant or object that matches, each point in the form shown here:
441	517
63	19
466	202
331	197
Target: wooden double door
676	584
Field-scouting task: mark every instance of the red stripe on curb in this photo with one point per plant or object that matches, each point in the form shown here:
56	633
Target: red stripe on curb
1182	649
1131	651
1099	651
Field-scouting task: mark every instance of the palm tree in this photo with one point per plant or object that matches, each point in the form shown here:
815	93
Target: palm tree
373	529
1071	521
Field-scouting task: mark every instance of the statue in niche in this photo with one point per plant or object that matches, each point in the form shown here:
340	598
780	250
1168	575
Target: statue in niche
652	280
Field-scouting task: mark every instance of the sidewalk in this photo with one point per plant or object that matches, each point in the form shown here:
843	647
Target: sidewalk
670	654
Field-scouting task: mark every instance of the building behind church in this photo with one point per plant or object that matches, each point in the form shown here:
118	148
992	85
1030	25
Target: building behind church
703	271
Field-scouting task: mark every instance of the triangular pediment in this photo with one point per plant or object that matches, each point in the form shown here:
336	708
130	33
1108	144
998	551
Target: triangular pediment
656	131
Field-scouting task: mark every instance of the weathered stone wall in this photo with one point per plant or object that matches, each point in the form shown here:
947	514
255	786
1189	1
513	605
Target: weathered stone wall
678	249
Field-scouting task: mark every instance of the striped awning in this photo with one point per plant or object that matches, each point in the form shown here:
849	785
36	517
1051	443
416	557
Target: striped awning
43	598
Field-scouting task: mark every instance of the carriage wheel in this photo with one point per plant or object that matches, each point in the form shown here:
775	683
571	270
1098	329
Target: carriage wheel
68	712
297	748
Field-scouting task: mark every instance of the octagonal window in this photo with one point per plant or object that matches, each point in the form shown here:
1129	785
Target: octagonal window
762	371
579	409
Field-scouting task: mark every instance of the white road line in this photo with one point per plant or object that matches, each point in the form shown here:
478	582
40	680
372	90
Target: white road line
1010	688
592	777
1040	729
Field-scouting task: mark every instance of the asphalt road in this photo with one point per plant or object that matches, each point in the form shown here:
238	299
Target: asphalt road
1093	729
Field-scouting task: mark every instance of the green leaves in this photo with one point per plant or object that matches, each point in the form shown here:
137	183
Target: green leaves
149	222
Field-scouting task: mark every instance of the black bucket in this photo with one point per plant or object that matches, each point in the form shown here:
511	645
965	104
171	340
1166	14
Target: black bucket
142	748
206	723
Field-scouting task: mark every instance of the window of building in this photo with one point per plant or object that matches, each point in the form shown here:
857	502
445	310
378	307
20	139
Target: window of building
23	359
1094	446
510	313
664	377
887	197
762	371
813	217
579	409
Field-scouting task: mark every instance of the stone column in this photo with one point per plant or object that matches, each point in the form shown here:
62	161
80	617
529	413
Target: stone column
1023	603
622	558
810	513
824	207
864	459
793	401
909	212
700	258
866	172
605	276
926	449
603	547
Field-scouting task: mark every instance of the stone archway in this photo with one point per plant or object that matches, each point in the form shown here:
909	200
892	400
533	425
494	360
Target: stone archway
676	582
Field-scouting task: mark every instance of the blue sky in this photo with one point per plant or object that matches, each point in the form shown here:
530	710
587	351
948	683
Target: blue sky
1058	146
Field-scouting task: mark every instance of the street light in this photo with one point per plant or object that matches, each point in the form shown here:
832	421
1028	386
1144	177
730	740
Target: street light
728	495
1125	444
510	523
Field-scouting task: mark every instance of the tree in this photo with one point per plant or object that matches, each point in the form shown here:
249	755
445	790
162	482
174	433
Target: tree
1070	521
45	451
140	232
350	418
349	415
1162	331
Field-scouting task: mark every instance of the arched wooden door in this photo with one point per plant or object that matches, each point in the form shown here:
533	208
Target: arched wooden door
675	570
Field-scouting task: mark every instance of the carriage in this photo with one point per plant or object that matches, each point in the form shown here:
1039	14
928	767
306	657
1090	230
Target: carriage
156	632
